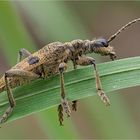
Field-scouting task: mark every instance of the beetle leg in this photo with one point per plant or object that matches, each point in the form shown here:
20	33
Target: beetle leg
11	102
90	61
74	103
21	74
64	103
23	53
17	73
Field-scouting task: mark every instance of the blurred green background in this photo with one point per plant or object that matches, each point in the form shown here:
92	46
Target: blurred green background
33	24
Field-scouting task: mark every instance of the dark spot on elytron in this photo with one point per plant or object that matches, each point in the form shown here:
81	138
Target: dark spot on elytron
33	60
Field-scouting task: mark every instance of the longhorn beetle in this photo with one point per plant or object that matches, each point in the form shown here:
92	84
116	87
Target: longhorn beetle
52	59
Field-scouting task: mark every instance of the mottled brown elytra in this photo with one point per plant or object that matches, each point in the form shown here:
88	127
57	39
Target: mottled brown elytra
51	60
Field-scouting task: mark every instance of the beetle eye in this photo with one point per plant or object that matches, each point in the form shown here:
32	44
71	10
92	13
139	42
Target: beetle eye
103	42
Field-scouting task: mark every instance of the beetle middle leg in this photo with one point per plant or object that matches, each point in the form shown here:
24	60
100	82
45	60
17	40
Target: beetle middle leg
90	61
64	103
14	73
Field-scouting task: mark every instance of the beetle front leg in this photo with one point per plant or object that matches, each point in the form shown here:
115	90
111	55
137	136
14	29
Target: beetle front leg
17	73
90	61
64	103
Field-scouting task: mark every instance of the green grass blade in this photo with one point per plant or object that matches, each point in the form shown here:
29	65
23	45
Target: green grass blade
66	16
13	34
43	94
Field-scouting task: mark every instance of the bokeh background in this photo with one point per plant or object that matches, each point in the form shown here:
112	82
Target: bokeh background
33	24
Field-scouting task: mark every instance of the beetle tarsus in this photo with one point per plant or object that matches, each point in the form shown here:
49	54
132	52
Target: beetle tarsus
60	114
74	105
104	98
65	106
6	114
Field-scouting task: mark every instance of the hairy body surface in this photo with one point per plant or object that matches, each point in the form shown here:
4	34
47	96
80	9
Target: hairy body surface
51	60
50	56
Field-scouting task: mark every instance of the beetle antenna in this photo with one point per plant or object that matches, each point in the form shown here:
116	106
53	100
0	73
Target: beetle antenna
122	29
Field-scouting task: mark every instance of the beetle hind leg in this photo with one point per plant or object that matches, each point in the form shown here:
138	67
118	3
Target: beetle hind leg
17	73
11	102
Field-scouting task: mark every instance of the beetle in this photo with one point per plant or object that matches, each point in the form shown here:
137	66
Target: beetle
51	60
